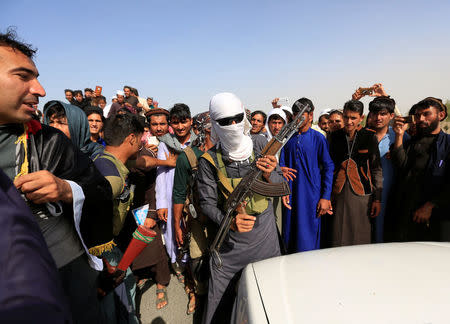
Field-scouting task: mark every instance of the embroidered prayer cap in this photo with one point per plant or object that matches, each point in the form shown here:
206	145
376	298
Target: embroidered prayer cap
441	105
156	111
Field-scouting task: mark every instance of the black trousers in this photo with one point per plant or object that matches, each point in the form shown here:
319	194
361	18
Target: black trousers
79	282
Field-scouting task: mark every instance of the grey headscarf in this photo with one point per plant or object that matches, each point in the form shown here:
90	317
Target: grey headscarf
78	128
173	143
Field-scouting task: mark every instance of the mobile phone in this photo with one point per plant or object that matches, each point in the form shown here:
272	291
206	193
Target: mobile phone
366	91
283	101
152	140
98	91
409	119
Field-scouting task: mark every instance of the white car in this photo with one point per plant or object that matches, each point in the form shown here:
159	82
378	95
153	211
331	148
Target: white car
377	283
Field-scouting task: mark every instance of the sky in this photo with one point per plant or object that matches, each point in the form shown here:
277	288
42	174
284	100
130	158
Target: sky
187	51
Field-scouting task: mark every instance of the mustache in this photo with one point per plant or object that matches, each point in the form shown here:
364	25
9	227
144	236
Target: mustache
31	99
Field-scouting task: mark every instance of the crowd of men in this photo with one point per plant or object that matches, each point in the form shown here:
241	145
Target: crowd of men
74	181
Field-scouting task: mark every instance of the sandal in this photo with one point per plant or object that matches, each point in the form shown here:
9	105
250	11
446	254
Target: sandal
180	277
191	304
141	283
162	299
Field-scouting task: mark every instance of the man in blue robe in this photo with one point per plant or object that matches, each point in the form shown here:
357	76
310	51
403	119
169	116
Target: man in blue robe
307	153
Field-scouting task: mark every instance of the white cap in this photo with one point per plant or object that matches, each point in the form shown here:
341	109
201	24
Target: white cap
325	112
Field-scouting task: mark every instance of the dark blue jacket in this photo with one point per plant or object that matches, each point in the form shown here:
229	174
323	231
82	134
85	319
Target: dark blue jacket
437	179
436	185
30	287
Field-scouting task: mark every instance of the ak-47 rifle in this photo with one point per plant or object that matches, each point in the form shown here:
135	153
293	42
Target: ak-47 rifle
250	184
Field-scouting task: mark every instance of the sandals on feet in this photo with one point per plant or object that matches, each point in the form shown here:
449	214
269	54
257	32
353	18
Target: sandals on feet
191	304
180	277
162	299
141	283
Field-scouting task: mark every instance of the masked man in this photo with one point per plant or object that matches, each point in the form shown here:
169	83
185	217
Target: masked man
251	238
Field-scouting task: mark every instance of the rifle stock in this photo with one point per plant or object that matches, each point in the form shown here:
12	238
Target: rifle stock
243	189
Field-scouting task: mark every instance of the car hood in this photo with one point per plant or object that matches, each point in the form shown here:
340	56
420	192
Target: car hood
378	283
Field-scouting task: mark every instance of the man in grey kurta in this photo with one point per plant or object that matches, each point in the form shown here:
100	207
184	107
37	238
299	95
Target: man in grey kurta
239	248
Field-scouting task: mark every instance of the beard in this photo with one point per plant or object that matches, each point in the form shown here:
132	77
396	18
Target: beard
428	129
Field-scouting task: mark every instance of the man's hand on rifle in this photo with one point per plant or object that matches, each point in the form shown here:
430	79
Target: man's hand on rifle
243	223
267	164
289	173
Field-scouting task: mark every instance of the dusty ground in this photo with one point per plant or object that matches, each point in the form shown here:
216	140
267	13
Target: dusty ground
173	313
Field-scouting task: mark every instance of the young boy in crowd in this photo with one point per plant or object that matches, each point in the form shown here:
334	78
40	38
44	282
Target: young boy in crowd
307	153
181	122
358	178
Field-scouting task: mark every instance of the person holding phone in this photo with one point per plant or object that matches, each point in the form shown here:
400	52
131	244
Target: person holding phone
423	187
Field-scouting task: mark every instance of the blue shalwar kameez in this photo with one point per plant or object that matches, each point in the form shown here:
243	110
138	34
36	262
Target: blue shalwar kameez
308	154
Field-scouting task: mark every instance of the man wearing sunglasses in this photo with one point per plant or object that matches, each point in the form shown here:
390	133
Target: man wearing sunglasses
253	235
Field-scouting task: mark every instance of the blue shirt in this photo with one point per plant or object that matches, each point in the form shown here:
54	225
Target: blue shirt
386	163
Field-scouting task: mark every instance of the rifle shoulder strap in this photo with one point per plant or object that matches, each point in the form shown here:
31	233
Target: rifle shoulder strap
193	162
224	181
113	161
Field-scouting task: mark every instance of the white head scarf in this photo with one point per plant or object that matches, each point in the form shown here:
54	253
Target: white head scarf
275	111
234	139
